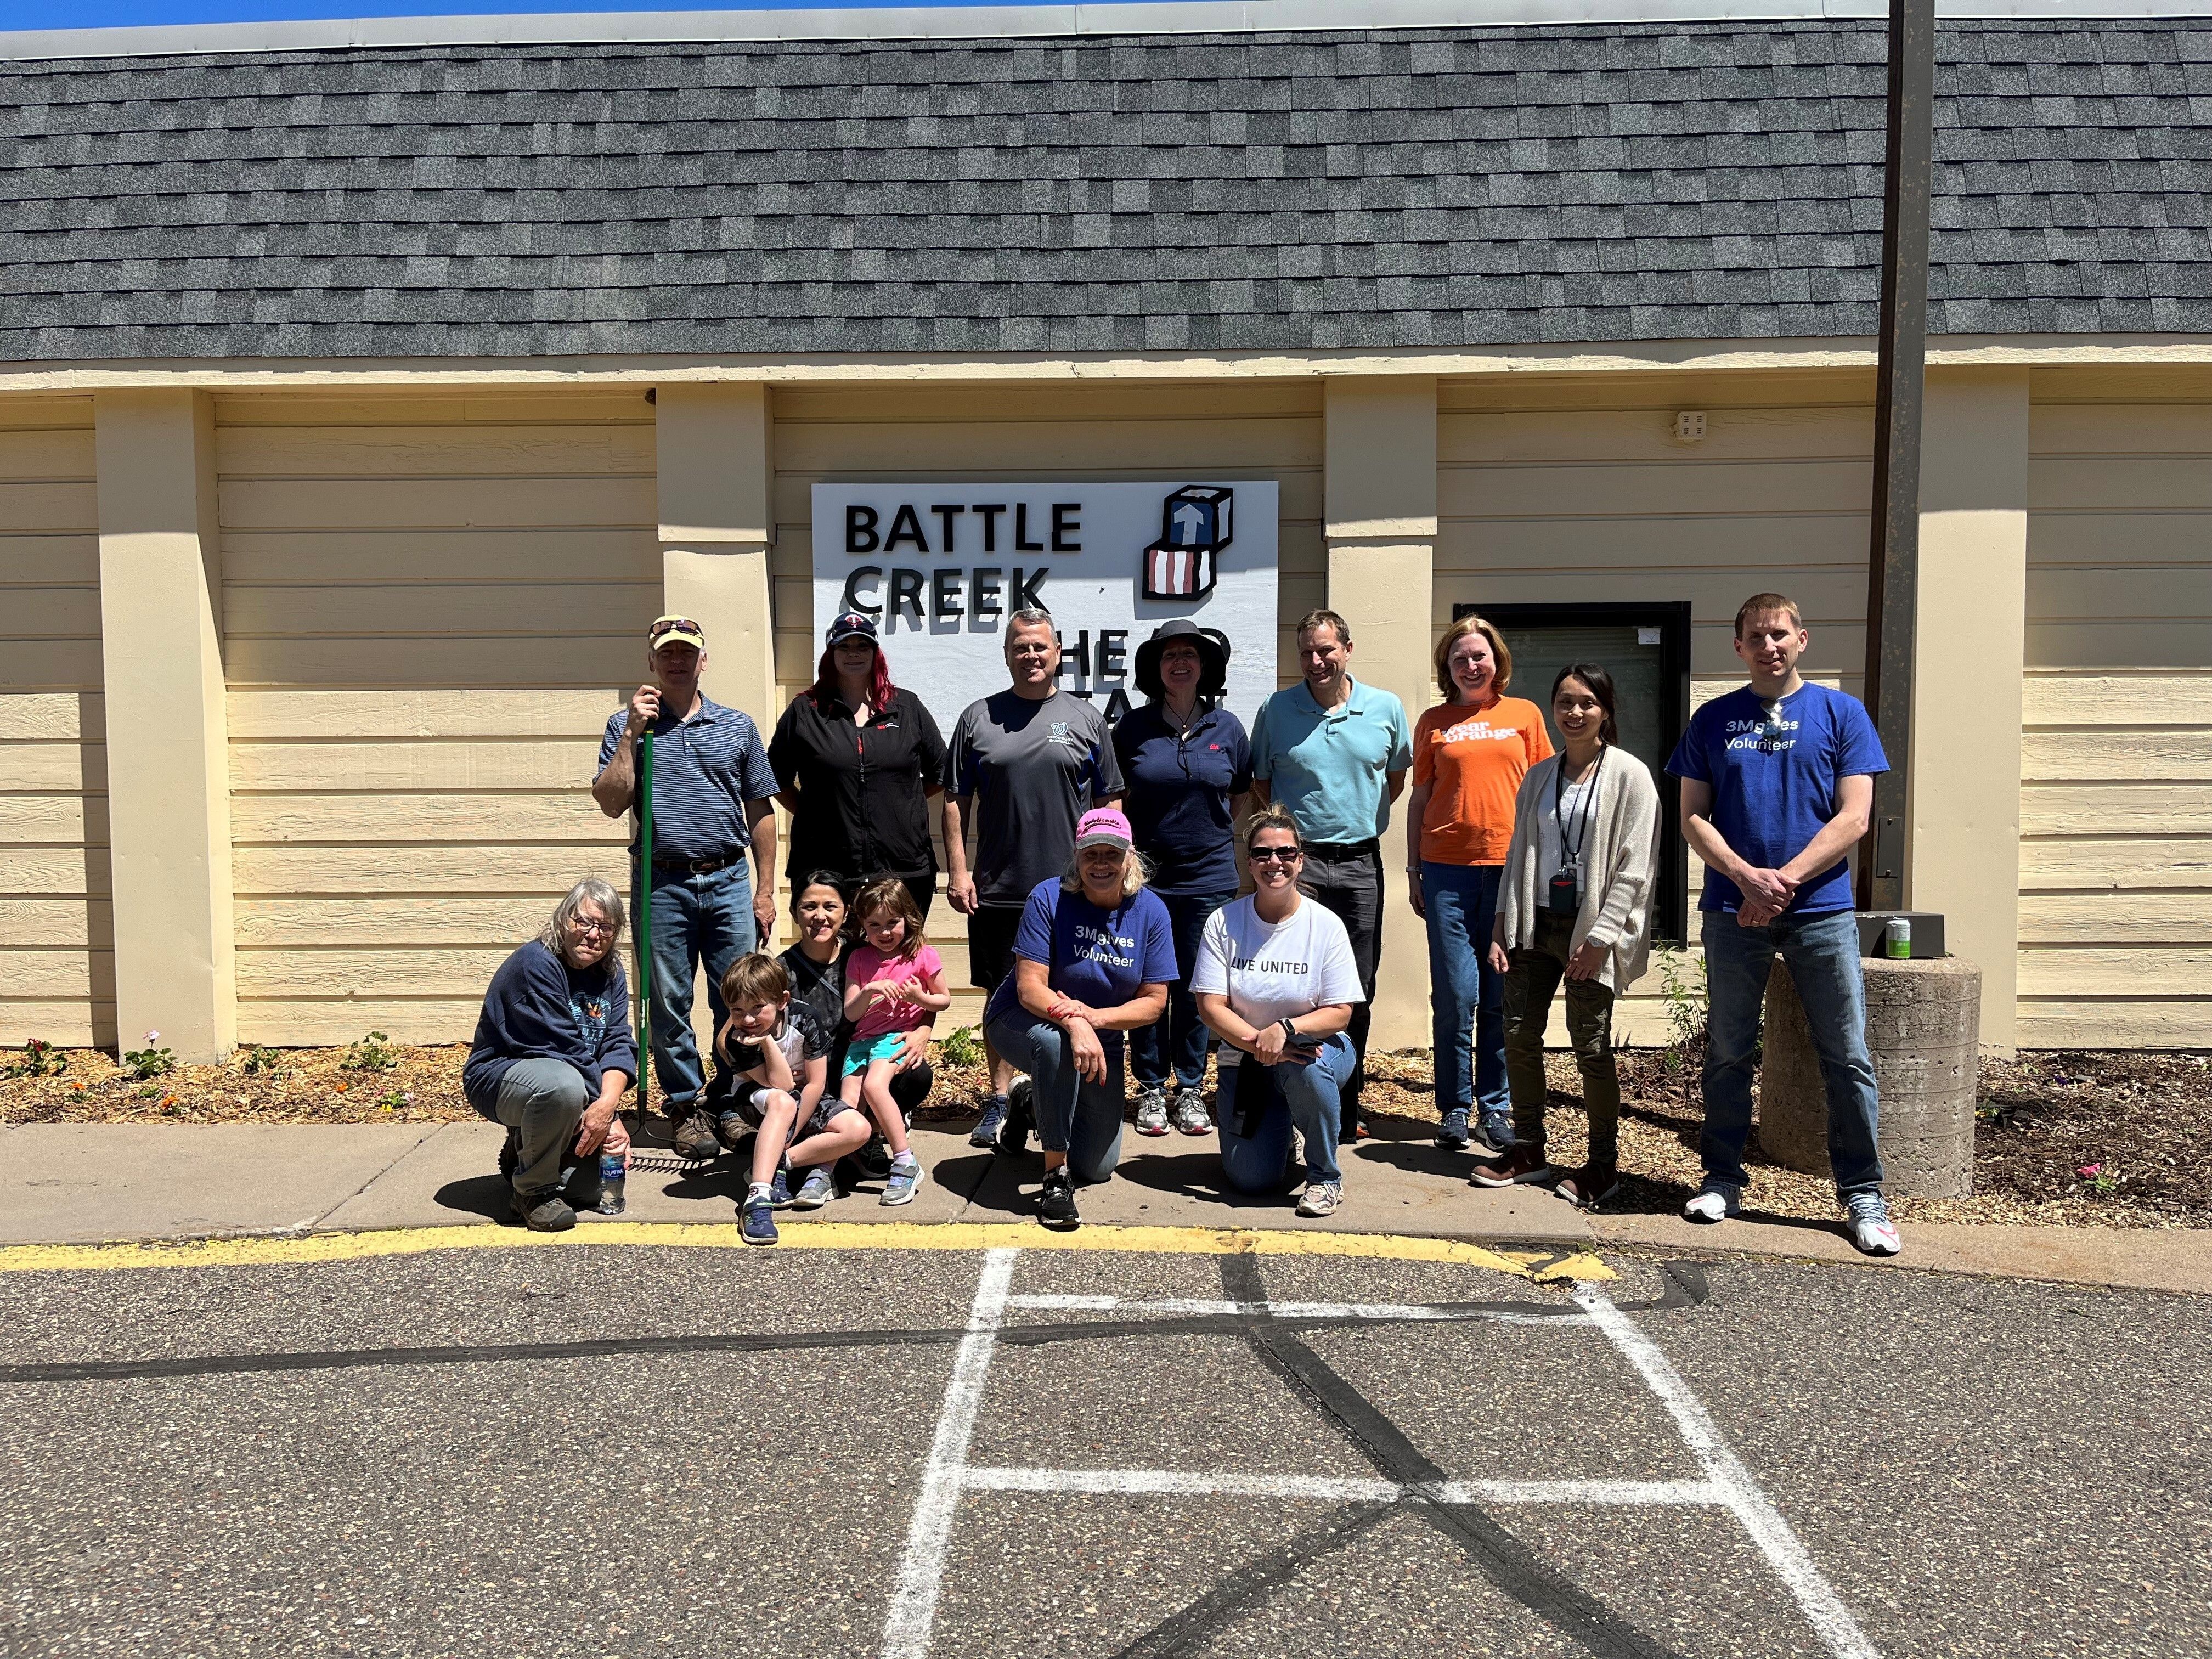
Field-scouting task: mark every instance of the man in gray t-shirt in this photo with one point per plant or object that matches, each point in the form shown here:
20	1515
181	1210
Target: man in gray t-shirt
1022	766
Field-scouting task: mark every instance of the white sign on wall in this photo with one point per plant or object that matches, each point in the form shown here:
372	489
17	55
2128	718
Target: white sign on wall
939	565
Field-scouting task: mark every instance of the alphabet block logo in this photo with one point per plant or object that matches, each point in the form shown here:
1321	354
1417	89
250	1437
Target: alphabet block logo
1194	527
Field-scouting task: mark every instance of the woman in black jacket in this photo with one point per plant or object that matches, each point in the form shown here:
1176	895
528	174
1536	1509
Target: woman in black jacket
856	760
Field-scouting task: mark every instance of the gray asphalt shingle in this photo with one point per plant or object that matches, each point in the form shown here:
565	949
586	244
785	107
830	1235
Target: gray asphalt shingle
1263	192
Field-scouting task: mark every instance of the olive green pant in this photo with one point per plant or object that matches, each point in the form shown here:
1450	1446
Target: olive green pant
1535	973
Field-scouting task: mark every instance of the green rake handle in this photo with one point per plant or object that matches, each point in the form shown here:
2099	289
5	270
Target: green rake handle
644	917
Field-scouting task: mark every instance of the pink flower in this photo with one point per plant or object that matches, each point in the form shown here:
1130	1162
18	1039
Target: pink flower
2088	1169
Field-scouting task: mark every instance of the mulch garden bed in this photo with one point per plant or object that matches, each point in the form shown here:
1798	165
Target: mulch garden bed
2062	1139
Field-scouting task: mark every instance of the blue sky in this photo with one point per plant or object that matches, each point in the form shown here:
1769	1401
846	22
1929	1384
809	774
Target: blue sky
115	14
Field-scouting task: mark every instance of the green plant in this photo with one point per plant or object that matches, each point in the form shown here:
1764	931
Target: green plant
41	1059
149	1061
258	1061
373	1053
1682	988
961	1046
393	1099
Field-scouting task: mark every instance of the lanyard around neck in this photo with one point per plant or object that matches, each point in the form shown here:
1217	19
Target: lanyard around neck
1572	853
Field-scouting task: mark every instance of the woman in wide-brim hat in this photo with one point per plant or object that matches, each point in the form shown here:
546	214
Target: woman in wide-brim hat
1187	761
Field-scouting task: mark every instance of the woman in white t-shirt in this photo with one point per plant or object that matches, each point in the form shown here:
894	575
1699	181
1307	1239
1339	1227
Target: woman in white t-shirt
1275	981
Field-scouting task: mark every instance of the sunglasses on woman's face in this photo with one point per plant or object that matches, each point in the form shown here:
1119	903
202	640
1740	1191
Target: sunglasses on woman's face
1274	855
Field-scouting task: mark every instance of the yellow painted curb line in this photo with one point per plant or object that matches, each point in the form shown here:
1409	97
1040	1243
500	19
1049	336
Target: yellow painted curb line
1537	1265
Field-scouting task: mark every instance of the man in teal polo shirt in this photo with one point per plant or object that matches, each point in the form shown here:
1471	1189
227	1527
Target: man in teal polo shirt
1336	753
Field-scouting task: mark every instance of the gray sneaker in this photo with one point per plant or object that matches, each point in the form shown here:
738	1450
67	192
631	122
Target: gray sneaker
818	1189
1872	1231
1190	1116
1321	1198
1152	1112
900	1184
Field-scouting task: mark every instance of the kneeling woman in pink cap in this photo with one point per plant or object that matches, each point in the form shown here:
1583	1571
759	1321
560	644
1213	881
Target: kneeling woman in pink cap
1092	958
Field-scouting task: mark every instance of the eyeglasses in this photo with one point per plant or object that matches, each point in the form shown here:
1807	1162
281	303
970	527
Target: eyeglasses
591	928
1275	855
673	625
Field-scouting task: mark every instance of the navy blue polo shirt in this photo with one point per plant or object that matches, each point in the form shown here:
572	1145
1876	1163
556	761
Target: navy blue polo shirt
704	771
1180	786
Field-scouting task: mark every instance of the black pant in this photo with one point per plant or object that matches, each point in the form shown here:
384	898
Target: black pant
1346	880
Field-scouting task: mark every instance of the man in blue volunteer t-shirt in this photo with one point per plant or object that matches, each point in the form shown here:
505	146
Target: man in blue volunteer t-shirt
1777	782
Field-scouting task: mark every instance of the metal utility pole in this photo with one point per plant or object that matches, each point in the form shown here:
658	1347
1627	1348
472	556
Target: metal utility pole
1893	550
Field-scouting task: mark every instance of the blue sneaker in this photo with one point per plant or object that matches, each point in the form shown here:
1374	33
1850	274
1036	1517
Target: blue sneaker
818	1189
899	1185
986	1131
778	1190
1451	1133
1493	1132
756	1220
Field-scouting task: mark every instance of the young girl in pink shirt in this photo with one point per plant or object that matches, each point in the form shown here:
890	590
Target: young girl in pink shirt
894	984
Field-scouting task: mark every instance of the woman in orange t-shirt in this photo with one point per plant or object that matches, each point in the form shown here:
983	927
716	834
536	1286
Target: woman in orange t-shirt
1470	754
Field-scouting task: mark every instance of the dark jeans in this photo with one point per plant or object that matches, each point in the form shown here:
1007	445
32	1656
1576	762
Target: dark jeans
1073	1115
697	920
1537	973
1304	1097
1465	992
1823	954
1178	1041
1346	880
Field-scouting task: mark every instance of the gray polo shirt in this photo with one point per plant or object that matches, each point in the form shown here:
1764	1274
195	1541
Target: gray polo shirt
704	771
1032	769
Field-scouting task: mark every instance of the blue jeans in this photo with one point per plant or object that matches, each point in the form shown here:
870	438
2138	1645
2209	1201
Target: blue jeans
1307	1098
1823	955
696	919
1179	1032
1465	993
1074	1115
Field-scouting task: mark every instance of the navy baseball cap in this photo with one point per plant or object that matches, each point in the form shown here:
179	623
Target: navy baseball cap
847	625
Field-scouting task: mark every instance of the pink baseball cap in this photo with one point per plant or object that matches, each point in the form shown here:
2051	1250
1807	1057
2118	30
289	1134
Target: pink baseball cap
1103	826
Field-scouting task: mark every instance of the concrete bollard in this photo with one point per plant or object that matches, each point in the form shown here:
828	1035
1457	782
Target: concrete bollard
1923	1030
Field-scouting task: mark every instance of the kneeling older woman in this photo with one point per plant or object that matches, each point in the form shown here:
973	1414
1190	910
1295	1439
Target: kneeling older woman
552	1058
1092	958
1276	981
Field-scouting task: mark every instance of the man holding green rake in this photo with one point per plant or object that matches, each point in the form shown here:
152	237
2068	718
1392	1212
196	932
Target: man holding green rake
698	776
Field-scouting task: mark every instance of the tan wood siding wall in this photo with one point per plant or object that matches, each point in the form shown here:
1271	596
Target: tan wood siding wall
1574	489
432	605
2115	807
1103	431
55	920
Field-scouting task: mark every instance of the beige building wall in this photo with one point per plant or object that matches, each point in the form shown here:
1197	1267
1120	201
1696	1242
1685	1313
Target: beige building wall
2116	798
56	921
1106	430
1574	488
433	605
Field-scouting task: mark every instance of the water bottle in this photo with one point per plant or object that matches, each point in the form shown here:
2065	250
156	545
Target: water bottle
614	1170
1897	937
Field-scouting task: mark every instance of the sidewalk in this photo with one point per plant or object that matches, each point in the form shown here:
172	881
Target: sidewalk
87	1183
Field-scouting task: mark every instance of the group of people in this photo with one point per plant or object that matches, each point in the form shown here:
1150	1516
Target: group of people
1104	922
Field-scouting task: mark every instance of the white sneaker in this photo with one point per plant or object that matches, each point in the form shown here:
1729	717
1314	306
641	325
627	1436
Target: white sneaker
1872	1231
1322	1199
1712	1203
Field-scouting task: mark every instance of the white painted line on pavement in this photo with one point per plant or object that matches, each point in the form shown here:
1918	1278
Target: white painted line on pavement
1204	1305
1327	1489
921	1570
1726	1472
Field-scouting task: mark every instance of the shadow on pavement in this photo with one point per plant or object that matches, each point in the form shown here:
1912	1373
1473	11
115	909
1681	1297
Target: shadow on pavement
485	1195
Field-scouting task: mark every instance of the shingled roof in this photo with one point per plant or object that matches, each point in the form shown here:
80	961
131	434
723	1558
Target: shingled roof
1248	193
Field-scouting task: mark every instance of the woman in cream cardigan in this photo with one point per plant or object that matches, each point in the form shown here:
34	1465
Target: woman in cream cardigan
1575	903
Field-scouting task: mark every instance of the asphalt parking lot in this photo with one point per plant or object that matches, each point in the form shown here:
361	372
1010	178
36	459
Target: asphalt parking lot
627	1449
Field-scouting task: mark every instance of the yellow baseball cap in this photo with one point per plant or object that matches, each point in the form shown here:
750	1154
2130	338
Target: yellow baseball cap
675	630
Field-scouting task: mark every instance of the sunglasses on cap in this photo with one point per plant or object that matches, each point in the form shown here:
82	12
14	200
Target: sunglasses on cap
667	625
